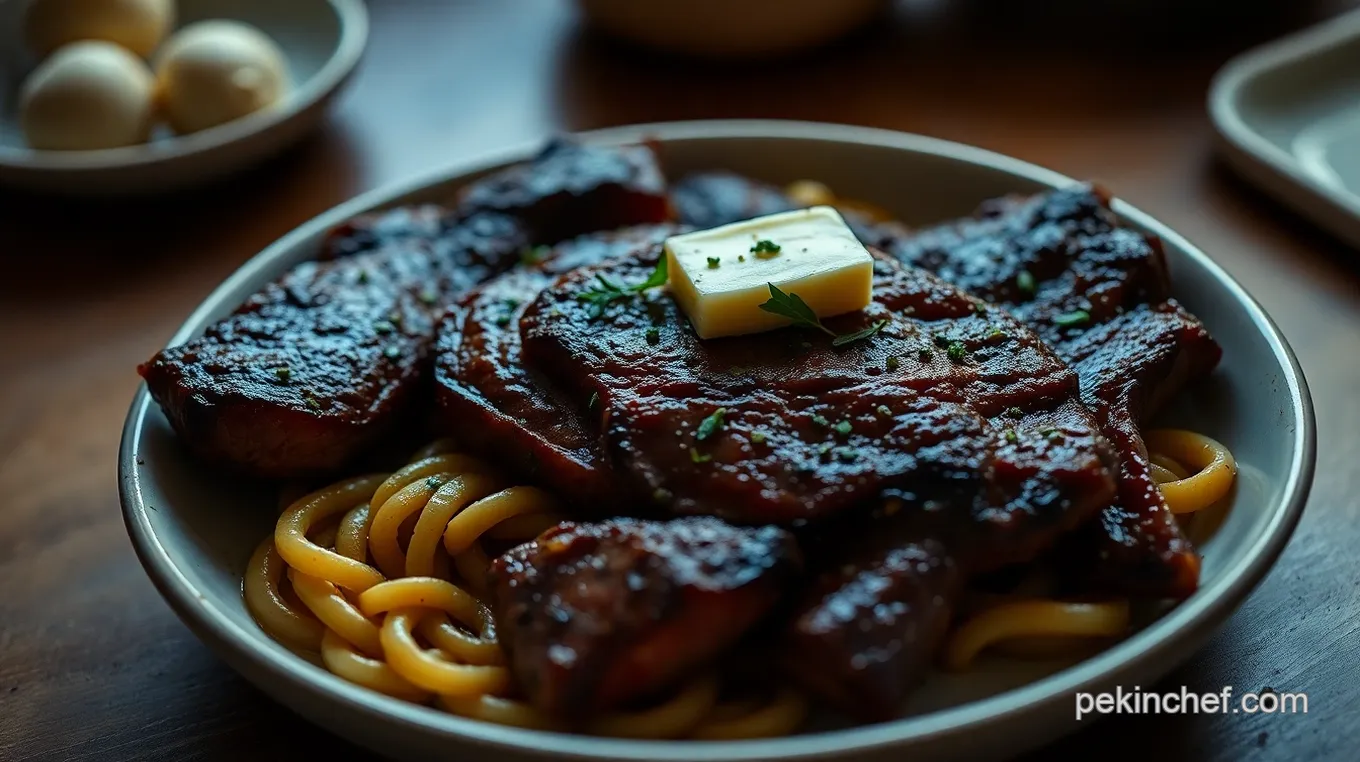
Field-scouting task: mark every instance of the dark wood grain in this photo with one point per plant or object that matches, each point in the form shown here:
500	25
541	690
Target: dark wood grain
94	666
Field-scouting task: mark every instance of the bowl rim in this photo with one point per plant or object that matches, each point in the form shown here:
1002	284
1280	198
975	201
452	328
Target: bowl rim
352	16
1158	641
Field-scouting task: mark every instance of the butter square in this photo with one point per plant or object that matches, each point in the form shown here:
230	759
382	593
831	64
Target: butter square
721	276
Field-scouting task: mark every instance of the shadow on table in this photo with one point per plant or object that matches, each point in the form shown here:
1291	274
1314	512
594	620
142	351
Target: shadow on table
77	249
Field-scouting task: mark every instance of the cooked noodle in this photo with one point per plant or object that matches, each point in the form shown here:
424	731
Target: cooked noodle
384	576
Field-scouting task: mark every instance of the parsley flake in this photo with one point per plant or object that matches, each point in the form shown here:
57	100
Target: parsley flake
765	249
710	424
653	336
283	374
714	262
695	457
1025	282
793	307
884	411
893	363
392	352
820	421
1074	318
757	437
607	291
957	351
843	428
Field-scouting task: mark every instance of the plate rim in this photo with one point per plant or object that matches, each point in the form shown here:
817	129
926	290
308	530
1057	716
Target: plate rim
1197	616
1260	160
353	19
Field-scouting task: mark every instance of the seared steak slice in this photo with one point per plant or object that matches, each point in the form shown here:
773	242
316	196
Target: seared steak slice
1099	294
496	404
783	426
593	616
317	366
572	188
711	199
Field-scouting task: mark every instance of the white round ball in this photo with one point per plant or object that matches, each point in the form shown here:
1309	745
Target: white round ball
138	25
214	72
86	96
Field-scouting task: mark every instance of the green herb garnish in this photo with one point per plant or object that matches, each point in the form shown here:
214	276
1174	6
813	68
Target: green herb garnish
601	295
924	355
843	427
710	424
594	400
1025	282
311	402
392	352
846	454
714	262
1011	436
383	327
363	277
757	437
695	457
884	411
741	257
428	297
765	249
283	374
1069	319
820	421
1014	412
794	308
940	340
957	351
893	363
653	335
996	333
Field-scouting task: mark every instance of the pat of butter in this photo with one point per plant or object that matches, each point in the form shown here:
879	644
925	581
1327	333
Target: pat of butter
721	276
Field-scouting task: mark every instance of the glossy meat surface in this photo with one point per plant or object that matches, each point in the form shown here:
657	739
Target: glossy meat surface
799	429
494	403
1099	294
571	188
594	616
711	199
322	363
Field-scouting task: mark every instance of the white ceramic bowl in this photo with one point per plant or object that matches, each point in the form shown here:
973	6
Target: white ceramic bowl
194	528
322	40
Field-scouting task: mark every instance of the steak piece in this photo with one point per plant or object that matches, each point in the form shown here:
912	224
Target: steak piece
712	199
571	188
313	370
320	364
492	402
784	427
1099	294
593	616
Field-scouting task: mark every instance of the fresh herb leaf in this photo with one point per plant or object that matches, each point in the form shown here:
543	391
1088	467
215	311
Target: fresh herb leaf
1011	435
394	317
363	277
863	333
392	352
1014	412
1025	282
695	457
820	421
383	327
653	335
843	427
428	297
884	411
846	454
924	355
312	402
607	290
741	257
765	249
1069	319
793	307
714	262
996	333
594	400
957	351
893	363
710	424
283	374
757	437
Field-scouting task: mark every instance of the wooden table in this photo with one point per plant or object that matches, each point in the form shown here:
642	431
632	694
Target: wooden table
94	666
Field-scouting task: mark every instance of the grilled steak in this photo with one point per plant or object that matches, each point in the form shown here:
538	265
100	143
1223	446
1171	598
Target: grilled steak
319	365
596	615
494	403
313	370
572	188
1097	293
715	198
784	427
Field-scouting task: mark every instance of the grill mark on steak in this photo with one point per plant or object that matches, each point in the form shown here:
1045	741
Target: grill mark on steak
1138	348
316	367
493	402
593	616
571	188
349	375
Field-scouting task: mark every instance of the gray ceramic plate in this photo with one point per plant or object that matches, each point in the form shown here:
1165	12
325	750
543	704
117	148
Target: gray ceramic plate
194	528
1288	119
322	40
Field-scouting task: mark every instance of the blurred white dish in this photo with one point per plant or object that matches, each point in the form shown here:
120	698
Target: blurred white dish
322	40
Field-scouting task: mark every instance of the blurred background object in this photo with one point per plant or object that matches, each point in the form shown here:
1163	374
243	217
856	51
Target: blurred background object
730	28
